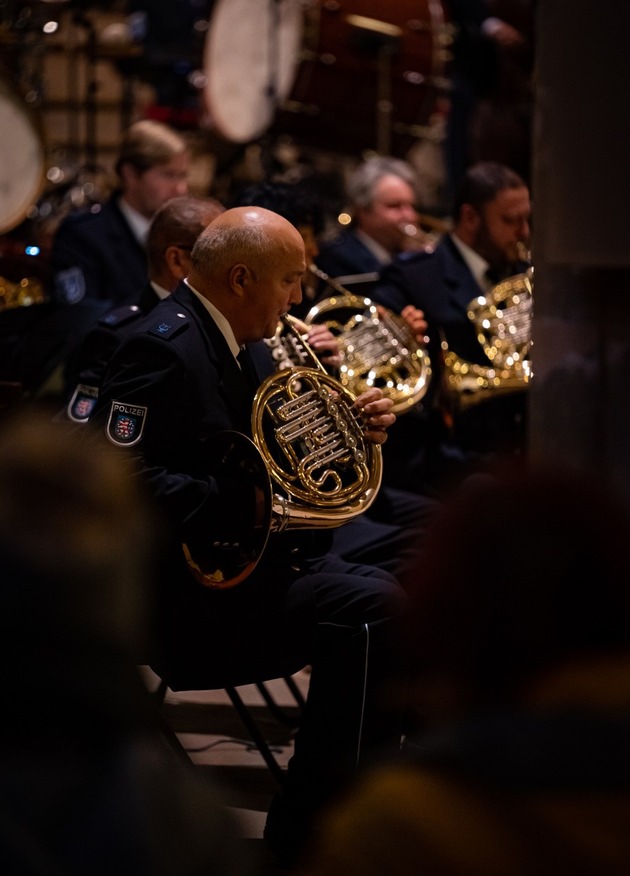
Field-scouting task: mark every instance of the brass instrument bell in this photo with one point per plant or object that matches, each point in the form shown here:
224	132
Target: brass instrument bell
377	346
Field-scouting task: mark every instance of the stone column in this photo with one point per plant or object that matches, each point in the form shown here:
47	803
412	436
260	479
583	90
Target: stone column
580	396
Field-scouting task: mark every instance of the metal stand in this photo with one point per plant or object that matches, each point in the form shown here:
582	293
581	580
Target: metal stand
383	40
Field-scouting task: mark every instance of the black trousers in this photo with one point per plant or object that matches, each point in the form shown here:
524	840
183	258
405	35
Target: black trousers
390	533
339	618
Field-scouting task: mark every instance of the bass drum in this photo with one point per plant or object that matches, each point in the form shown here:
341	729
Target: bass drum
22	157
250	59
341	76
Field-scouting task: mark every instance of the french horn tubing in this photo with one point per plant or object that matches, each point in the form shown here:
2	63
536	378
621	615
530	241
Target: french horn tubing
309	459
377	346
288	348
502	319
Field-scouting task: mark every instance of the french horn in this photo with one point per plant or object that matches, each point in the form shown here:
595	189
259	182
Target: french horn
502	320
309	459
289	344
377	346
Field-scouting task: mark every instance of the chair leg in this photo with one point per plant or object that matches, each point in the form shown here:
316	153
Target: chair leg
246	717
295	690
254	731
276	710
172	739
167	731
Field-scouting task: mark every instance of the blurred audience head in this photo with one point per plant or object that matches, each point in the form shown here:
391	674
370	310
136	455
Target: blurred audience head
76	536
525	573
89	783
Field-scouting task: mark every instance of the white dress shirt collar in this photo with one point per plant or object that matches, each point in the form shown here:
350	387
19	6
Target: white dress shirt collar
160	291
477	265
138	223
221	321
379	252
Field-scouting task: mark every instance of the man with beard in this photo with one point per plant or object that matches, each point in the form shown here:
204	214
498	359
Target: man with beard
433	291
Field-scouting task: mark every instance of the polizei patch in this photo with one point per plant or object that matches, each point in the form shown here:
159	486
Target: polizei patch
125	423
82	403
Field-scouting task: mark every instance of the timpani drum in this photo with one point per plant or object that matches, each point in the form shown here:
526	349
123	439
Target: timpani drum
343	75
22	157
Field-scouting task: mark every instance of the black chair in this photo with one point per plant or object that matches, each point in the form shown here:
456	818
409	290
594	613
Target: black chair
280	713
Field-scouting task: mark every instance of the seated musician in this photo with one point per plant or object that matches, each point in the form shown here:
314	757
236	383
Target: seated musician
172	390
434	290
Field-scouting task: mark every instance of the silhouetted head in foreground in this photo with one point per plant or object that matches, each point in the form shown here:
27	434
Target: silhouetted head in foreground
523	574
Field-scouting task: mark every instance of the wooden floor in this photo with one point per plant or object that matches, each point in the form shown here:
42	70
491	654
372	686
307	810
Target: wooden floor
213	735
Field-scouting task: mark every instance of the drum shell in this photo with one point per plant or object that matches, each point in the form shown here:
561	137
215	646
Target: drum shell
340	75
358	88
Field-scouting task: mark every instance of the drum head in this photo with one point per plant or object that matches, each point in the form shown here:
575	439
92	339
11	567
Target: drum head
250	61
21	158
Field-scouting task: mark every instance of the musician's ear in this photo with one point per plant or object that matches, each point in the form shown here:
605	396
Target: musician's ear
241	278
178	261
469	216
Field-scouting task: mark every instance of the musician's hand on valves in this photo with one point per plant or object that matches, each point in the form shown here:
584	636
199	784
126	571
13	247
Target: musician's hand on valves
322	341
375	410
416	321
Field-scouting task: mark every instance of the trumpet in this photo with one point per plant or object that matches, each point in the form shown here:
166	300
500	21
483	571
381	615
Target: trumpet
309	458
377	346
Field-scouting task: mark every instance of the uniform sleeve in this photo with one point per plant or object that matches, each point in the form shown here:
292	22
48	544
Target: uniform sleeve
76	263
153	408
392	289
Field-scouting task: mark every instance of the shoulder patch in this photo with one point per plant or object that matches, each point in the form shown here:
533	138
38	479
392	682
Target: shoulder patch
120	316
69	285
169	328
126	423
82	403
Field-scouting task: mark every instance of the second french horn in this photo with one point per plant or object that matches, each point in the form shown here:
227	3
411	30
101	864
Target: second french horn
502	319
377	346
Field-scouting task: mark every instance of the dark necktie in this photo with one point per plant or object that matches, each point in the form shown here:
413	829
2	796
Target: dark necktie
247	367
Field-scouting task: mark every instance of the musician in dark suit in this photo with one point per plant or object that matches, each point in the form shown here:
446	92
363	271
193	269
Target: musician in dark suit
382	199
170	239
171	388
101	253
433	291
388	533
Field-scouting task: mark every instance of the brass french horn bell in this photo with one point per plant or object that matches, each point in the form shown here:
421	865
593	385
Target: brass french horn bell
377	346
502	319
